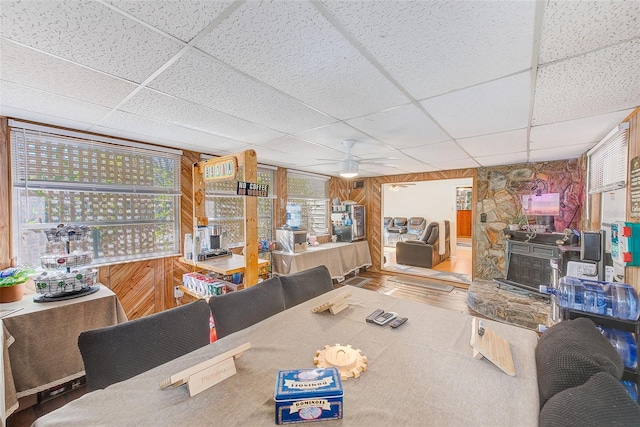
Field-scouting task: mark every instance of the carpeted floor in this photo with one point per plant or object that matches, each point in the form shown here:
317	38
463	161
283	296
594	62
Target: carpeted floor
422	282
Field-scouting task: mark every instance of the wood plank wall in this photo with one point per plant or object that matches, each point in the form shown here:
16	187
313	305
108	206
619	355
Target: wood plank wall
5	197
371	197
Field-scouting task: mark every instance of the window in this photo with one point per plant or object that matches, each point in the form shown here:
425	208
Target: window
223	207
129	195
608	161
311	192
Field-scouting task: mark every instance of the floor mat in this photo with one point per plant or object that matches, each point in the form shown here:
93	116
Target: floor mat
422	282
356	281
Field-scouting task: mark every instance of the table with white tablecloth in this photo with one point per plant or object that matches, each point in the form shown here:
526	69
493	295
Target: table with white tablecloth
421	374
340	258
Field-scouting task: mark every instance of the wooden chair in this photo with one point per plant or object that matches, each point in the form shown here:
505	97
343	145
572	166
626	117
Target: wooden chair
119	352
240	309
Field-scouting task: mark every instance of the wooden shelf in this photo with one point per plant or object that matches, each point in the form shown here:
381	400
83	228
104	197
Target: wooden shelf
225	266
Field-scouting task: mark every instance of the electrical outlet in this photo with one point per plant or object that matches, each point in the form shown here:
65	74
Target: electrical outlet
177	292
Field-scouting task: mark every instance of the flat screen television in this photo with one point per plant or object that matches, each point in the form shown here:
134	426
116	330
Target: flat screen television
541	204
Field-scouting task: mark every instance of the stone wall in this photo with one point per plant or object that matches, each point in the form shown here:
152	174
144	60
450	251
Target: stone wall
499	191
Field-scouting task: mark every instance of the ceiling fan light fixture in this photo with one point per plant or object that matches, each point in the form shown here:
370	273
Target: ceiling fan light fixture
348	168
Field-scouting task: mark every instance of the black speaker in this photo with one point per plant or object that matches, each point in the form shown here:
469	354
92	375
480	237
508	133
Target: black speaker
591	246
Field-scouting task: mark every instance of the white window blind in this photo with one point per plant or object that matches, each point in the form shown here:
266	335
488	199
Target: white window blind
608	161
128	194
311	192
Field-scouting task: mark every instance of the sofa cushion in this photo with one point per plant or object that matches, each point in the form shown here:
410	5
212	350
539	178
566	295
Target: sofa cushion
571	352
601	401
303	285
240	309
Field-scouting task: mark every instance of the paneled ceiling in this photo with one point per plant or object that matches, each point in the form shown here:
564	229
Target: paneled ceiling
420	85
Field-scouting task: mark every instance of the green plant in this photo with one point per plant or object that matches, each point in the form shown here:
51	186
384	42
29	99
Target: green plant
519	219
14	276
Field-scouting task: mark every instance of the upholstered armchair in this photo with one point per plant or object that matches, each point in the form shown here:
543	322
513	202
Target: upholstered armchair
424	252
416	225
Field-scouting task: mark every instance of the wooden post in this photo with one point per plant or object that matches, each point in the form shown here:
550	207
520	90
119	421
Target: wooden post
249	161
199	214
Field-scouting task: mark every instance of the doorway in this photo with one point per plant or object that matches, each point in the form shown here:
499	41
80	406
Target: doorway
434	200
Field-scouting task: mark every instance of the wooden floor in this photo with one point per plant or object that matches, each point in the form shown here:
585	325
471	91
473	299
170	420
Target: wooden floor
454	300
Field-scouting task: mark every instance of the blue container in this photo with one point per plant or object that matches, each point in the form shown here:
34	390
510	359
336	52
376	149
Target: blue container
610	299
304	395
631	388
625	345
294	215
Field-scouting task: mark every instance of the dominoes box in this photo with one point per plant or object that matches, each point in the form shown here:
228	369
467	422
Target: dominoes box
304	395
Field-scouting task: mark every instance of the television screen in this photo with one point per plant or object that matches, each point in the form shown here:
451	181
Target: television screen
543	204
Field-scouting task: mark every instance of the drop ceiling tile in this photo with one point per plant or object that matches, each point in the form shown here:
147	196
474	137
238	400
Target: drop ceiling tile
374	170
439	152
147	130
420	168
181	19
292	47
16	113
593	84
36	102
28	67
587	130
559	153
401	127
492	107
334	134
273	157
193	78
496	143
306	153
572	28
432	47
502	159
160	107
467	163
90	34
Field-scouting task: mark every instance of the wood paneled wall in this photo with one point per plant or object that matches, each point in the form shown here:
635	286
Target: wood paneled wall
371	197
5	197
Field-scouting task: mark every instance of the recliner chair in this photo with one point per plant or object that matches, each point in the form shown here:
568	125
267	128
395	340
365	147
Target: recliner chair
424	252
416	225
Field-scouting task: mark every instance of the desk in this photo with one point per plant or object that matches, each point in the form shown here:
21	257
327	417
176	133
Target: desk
42	340
422	373
340	258
225	265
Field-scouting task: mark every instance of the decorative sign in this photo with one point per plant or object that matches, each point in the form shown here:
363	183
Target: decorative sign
543	204
635	188
221	169
252	189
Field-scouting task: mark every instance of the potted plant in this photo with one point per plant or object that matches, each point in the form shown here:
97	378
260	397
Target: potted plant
12	282
517	222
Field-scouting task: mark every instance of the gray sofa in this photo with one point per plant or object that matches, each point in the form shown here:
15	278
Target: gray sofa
579	375
423	252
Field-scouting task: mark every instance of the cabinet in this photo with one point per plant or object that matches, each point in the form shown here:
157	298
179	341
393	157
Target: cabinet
463	223
608	322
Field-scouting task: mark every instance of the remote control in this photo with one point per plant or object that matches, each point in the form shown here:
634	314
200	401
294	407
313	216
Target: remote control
385	318
398	321
375	314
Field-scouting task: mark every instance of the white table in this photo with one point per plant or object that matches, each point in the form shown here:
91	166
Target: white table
41	341
420	374
340	258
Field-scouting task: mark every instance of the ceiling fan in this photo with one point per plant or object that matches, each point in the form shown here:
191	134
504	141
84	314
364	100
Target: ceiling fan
349	165
397	187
